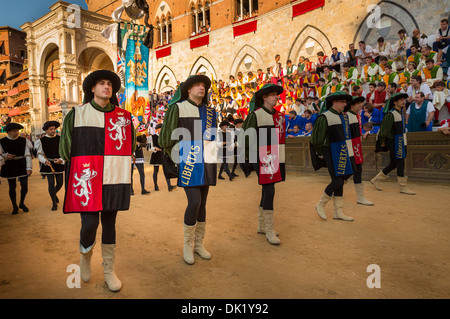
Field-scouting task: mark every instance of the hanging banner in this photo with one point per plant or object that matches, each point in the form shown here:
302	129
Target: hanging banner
133	61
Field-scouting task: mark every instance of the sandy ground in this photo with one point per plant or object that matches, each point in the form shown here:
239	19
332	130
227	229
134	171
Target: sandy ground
406	236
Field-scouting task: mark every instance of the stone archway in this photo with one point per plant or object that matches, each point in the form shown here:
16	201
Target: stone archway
165	80
90	60
308	42
52	38
393	17
203	66
247	60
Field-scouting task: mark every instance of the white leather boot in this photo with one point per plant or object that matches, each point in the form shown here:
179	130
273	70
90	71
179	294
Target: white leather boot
361	199
320	207
85	262
108	254
403	188
188	248
271	235
338	205
198	241
377	179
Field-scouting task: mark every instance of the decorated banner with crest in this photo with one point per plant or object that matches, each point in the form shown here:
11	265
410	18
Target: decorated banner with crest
133	57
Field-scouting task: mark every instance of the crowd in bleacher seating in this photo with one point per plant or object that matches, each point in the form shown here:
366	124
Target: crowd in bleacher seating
410	65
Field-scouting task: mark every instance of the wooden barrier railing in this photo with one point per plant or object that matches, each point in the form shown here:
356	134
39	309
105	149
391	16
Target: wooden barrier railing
428	157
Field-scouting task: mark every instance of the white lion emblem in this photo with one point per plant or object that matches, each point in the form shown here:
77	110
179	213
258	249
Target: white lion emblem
85	182
119	128
268	163
280	124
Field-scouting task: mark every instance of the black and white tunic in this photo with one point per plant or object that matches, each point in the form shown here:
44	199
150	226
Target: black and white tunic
47	148
18	166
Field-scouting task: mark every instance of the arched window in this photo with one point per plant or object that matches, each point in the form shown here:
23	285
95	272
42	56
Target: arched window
165	30
246	9
201	18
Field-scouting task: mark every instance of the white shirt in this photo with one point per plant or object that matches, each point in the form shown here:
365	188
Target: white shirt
360	54
40	151
430	108
424	88
27	154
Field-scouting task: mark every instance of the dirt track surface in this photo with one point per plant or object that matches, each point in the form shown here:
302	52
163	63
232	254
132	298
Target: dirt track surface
406	236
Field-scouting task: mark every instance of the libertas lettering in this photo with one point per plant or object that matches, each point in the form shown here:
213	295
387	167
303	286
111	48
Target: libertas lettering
342	160
189	165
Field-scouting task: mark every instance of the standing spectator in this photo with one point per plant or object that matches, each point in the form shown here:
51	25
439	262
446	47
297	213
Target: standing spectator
420	114
400	49
363	52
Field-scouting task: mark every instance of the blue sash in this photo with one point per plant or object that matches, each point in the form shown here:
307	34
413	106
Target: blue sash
399	138
192	170
340	153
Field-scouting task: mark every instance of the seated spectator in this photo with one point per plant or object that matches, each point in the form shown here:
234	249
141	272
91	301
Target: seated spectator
444	127
441	102
371	94
383	48
295	132
357	91
420	114
368	128
308	129
390	76
292	120
432	73
380	96
309	117
418	86
418	38
371	114
442	36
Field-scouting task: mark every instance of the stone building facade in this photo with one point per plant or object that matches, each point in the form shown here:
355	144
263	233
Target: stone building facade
285	27
335	23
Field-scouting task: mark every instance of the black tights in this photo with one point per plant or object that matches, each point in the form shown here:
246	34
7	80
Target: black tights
155	177
196	207
267	196
336	187
140	168
225	167
52	190
89	226
23	190
395	163
357	174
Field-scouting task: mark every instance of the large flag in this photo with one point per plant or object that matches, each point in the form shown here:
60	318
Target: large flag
134	60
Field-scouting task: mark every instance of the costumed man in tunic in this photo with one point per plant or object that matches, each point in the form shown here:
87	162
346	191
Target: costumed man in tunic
262	144
329	148
97	142
156	160
225	146
354	119
17	156
138	162
392	138
52	167
188	136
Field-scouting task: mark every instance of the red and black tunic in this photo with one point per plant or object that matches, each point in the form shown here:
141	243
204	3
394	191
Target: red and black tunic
99	178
